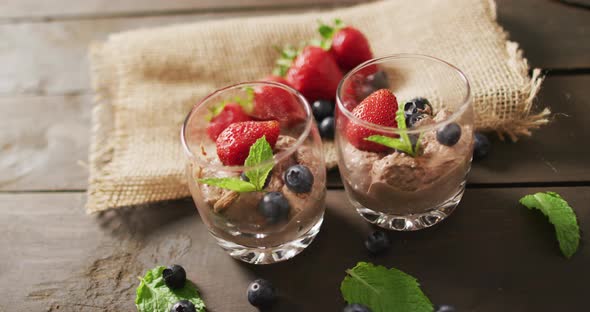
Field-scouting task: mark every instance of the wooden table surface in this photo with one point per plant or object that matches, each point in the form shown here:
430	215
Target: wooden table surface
491	255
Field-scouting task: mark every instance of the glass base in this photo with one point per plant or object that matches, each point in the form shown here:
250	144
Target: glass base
411	222
262	255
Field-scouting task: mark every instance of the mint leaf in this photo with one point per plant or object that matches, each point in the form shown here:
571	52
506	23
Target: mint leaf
561	215
391	142
404	143
152	294
233	184
260	152
384	290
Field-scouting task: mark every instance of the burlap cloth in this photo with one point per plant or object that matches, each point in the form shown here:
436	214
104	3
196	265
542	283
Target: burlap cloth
147	80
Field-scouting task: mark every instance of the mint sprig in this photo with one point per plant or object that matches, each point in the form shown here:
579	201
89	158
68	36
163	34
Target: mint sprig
383	290
152	294
260	152
403	143
561	215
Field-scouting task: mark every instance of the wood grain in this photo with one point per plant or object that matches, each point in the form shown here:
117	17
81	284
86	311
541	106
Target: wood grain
55	256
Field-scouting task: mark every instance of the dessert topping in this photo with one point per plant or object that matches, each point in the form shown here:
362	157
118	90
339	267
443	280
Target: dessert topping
274	206
298	179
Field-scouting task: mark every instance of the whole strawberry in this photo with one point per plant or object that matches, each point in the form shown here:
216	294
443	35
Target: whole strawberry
348	45
314	72
233	144
378	108
274	103
231	113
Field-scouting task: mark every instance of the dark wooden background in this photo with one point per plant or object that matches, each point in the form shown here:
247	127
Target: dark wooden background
491	255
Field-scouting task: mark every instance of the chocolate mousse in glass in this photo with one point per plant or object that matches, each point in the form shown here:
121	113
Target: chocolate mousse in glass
404	134
256	219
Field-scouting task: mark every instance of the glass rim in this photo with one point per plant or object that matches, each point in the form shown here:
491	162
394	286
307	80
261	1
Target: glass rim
466	101
276	157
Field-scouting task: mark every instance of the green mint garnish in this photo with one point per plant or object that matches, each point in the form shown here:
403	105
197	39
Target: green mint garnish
152	294
561	215
260	152
247	104
403	143
383	290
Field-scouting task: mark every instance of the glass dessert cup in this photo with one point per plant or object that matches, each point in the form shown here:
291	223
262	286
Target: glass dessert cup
420	183
238	220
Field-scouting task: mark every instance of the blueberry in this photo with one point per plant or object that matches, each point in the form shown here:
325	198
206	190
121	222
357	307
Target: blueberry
417	105
298	179
414	118
322	109
183	306
481	147
449	135
379	80
356	307
445	308
261	293
245	178
326	128
274	206
174	276
377	242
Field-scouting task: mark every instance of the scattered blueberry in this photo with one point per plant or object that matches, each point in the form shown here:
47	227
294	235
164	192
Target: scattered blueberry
445	308
481	147
322	109
174	276
298	179
183	306
417	105
245	178
413	119
379	80
449	135
261	293
377	242
274	206
356	307
326	128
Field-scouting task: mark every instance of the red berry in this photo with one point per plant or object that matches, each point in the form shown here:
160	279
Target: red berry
350	48
233	144
315	74
378	108
230	114
274	103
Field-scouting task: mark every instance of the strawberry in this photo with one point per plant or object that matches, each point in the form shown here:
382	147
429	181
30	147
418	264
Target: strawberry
231	113
378	108
233	144
313	72
348	45
274	103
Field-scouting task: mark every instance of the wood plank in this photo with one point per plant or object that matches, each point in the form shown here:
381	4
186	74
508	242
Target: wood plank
20	9
50	58
43	139
57	258
552	34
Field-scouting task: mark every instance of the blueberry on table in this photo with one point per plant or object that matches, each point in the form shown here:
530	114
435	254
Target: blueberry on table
481	146
183	306
261	293
377	242
174	276
445	308
274	206
356	307
326	128
322	109
449	135
417	105
298	179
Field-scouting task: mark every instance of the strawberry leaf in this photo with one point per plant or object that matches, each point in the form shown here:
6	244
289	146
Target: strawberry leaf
287	55
327	32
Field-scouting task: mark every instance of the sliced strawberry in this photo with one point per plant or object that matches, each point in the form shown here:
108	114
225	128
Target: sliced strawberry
378	108
231	113
315	74
274	103
233	144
